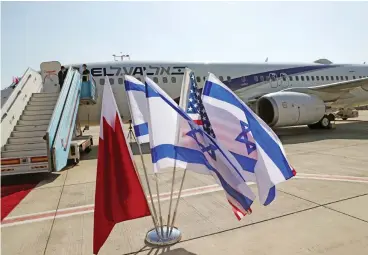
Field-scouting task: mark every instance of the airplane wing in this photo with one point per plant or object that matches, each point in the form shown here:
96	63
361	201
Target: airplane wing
343	86
333	91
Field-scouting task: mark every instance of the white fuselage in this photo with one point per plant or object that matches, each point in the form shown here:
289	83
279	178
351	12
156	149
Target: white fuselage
247	80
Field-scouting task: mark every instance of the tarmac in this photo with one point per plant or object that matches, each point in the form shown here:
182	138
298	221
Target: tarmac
323	210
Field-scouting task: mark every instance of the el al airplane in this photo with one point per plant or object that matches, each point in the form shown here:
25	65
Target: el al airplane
281	94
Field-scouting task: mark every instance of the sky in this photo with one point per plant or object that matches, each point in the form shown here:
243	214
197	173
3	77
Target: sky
76	32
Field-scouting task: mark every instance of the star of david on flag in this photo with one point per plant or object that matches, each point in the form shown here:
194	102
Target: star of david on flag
248	138
186	145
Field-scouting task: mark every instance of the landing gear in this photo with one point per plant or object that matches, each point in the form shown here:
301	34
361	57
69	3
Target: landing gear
331	117
324	123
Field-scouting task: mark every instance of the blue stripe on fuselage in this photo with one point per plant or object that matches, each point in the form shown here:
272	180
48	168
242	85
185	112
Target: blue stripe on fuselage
249	80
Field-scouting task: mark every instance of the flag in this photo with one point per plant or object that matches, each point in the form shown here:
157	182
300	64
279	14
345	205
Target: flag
119	195
182	139
192	102
249	139
137	102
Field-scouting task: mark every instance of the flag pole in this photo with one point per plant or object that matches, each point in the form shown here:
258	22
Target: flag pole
154	215
177	202
174	171
175	234
157	190
183	105
171	196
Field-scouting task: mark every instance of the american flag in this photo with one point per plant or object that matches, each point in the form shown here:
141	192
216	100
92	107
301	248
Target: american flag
195	108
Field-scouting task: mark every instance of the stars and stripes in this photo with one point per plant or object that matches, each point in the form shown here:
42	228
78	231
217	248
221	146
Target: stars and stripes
195	108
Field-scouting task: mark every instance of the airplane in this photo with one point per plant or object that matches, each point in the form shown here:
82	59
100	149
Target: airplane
282	94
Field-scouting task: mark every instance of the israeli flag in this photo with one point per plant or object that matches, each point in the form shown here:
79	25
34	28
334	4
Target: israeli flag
135	91
175	137
249	139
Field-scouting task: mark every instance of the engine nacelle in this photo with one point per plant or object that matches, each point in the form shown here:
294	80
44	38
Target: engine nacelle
290	109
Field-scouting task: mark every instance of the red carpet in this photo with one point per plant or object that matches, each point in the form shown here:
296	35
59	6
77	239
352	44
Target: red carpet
14	189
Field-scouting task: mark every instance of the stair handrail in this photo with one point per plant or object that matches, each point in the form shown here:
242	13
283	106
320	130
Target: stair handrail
57	114
88	90
65	131
14	95
31	82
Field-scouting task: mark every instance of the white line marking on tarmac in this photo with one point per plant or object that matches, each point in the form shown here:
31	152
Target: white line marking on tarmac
84	209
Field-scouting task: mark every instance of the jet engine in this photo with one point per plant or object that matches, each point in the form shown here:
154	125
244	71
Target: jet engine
290	109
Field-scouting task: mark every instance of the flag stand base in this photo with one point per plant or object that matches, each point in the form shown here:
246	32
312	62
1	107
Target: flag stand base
156	240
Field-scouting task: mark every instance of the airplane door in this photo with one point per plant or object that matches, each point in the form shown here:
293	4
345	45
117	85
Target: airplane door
49	73
273	80
284	80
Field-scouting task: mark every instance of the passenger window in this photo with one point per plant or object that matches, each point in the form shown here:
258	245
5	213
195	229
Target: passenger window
342	78
297	78
111	80
360	77
261	78
256	78
164	79
322	78
327	78
267	78
221	78
302	78
347	78
353	77
284	78
291	78
198	79
229	79
307	78
155	79
102	81
312	77
317	78
120	81
173	79
332	78
337	78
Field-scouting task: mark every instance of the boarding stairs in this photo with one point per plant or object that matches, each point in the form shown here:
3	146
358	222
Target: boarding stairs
38	138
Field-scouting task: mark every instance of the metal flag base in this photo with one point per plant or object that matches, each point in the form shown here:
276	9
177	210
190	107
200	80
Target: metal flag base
157	240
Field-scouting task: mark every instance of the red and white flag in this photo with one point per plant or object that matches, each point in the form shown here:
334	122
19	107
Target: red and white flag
119	195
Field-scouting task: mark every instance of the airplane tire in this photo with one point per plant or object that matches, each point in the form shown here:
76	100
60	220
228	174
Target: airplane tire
344	118
325	122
